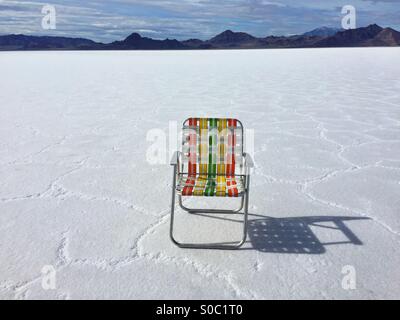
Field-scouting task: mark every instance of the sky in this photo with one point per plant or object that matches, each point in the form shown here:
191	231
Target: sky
112	20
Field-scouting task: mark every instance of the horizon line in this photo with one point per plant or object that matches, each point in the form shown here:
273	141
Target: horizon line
190	38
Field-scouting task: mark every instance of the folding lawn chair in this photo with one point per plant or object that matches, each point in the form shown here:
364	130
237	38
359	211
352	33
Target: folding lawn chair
212	164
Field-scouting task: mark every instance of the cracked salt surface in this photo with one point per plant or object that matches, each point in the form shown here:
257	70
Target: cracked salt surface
77	193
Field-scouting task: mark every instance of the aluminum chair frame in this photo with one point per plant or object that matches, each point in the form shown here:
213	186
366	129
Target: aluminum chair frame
248	165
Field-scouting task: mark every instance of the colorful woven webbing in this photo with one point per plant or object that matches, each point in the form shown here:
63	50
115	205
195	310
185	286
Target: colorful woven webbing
230	167
212	158
221	179
192	167
212	145
226	187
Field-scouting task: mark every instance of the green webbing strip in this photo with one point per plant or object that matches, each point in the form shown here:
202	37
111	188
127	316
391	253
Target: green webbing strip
212	157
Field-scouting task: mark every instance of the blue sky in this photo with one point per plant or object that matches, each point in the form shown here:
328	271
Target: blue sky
182	19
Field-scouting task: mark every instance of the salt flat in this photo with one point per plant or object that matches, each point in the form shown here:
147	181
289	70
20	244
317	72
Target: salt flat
77	193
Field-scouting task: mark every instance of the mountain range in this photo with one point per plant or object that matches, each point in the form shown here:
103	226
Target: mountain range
370	36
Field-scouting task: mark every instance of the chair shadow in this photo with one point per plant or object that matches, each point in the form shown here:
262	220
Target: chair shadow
295	235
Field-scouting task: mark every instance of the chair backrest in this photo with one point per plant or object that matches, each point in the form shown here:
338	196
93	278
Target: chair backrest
212	147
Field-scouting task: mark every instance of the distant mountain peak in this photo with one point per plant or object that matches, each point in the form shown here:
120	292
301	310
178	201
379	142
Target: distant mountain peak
351	37
229	36
323	31
133	37
374	27
136	42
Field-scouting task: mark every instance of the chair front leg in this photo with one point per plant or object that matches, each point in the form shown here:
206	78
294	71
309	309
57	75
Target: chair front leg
171	229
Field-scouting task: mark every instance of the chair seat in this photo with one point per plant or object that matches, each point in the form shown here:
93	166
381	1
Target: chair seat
210	186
